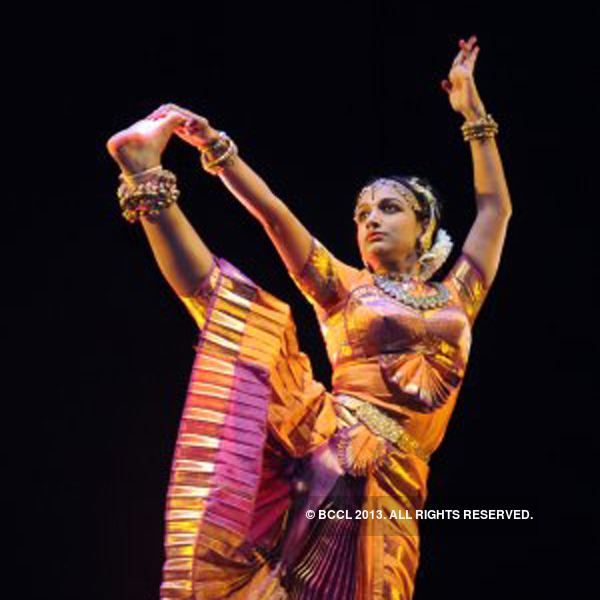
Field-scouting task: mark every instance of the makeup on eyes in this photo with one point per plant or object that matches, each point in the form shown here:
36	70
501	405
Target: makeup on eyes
382	203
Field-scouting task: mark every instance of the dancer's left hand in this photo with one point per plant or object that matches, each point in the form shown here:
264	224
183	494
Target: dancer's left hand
460	85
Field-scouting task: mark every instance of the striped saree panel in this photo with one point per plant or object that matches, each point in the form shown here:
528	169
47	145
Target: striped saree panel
227	491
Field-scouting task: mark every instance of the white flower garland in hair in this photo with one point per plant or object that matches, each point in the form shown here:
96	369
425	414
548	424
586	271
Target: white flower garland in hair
432	260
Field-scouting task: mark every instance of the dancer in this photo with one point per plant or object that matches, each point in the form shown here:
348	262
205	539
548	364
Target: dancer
261	442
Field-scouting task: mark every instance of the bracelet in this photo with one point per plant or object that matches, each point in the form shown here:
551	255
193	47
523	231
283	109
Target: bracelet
482	128
134	178
219	154
148	198
220	143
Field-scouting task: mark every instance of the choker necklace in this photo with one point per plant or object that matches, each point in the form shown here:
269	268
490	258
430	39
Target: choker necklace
397	286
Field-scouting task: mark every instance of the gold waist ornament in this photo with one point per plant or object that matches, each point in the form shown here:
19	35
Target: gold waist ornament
380	424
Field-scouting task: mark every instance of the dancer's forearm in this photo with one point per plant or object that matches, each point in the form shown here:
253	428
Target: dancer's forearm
248	187
253	192
485	240
491	188
182	256
291	239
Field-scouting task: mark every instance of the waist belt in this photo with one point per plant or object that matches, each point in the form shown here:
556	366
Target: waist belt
382	425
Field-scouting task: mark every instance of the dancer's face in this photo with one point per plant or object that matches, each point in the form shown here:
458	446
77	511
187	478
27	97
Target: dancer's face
387	226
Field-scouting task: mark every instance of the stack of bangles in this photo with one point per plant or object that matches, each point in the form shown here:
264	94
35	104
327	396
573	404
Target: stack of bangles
485	127
218	154
146	193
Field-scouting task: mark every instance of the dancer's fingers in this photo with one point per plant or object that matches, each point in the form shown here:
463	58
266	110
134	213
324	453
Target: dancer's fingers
160	112
174	117
165	109
174	120
468	46
170	107
185	112
153	115
466	49
473	57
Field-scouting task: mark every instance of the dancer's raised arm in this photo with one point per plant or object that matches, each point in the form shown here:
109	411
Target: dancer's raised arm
182	256
291	239
485	240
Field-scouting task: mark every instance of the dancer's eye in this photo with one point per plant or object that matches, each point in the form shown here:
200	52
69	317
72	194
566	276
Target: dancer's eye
390	206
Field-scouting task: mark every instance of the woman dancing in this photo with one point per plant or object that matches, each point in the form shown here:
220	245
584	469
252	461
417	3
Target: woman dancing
261	442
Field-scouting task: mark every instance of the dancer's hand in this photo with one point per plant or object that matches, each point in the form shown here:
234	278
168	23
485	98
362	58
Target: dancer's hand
140	146
195	130
460	85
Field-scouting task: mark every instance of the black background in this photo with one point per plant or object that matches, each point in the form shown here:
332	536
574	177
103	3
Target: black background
318	98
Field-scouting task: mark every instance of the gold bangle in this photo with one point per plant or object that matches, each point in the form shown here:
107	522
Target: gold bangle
479	135
483	127
216	164
219	143
486	121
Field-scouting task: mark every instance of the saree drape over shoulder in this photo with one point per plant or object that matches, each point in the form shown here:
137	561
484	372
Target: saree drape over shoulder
254	413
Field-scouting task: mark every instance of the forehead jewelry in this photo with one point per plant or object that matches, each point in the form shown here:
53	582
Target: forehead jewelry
398	187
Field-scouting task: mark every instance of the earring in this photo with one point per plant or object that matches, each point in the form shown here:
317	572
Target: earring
419	247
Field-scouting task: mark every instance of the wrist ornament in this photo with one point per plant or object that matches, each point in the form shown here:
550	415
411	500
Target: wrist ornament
145	194
485	127
218	154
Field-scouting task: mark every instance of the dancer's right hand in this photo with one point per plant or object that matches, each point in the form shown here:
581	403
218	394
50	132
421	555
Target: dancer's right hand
140	146
196	130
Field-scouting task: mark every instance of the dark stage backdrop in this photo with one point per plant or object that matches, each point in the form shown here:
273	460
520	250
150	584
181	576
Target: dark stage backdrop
318	101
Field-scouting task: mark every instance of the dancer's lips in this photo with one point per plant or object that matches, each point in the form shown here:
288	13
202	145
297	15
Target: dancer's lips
375	235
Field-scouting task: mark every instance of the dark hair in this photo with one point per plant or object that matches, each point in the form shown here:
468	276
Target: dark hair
425	215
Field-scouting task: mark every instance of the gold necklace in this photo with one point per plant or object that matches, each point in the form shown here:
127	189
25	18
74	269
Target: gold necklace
396	286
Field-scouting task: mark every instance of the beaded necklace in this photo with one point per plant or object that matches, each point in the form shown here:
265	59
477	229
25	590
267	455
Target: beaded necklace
397	286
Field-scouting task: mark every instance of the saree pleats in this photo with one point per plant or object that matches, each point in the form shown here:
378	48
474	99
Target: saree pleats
327	566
